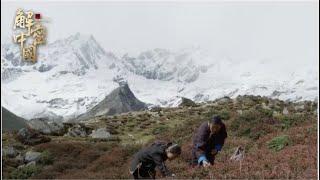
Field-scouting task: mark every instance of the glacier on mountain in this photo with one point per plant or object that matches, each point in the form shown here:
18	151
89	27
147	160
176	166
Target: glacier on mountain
74	74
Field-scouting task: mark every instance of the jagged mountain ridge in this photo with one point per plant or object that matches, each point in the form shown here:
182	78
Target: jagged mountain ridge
63	68
164	65
75	74
75	54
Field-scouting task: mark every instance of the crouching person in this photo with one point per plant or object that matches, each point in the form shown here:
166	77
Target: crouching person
208	141
146	160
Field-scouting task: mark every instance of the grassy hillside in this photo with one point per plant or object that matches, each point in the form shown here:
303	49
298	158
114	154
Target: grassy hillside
279	138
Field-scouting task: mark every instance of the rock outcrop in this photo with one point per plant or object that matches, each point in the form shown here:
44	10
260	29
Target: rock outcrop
45	126
187	103
31	137
100	133
120	100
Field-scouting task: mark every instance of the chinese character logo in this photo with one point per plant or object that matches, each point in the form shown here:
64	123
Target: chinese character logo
29	33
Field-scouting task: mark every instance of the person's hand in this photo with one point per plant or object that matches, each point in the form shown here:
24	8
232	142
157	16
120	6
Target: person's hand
206	164
171	176
214	152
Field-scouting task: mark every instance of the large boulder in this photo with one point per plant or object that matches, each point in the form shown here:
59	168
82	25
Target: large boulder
31	137
32	156
78	130
45	126
100	133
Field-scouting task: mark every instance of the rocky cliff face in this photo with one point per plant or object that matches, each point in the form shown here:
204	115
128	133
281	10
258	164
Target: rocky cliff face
120	100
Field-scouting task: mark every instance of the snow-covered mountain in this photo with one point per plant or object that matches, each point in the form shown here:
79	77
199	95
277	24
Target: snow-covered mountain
164	65
74	74
71	75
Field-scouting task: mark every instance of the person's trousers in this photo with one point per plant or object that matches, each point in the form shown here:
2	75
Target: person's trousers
141	173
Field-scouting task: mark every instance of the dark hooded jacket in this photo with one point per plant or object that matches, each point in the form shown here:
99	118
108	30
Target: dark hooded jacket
150	158
204	143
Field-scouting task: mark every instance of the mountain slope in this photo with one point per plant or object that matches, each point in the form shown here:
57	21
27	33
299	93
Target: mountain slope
75	73
162	64
75	64
11	121
120	100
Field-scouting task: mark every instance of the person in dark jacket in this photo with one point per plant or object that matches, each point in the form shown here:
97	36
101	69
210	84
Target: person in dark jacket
208	141
146	160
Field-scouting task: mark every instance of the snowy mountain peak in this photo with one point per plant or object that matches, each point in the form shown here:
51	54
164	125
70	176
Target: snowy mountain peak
165	65
74	74
78	40
76	54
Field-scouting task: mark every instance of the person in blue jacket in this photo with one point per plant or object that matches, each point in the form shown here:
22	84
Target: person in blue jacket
208	141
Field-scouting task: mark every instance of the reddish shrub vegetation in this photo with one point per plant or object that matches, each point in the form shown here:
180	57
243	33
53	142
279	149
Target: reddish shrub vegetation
83	159
73	160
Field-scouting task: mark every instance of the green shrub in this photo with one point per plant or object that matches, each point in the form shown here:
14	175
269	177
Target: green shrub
266	113
242	123
209	114
278	143
25	172
245	132
288	121
46	158
249	116
159	129
234	125
312	130
256	135
224	114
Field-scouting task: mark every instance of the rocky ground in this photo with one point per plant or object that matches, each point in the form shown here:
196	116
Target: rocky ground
276	139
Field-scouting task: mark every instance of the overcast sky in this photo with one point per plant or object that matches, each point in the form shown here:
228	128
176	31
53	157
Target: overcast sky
284	31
